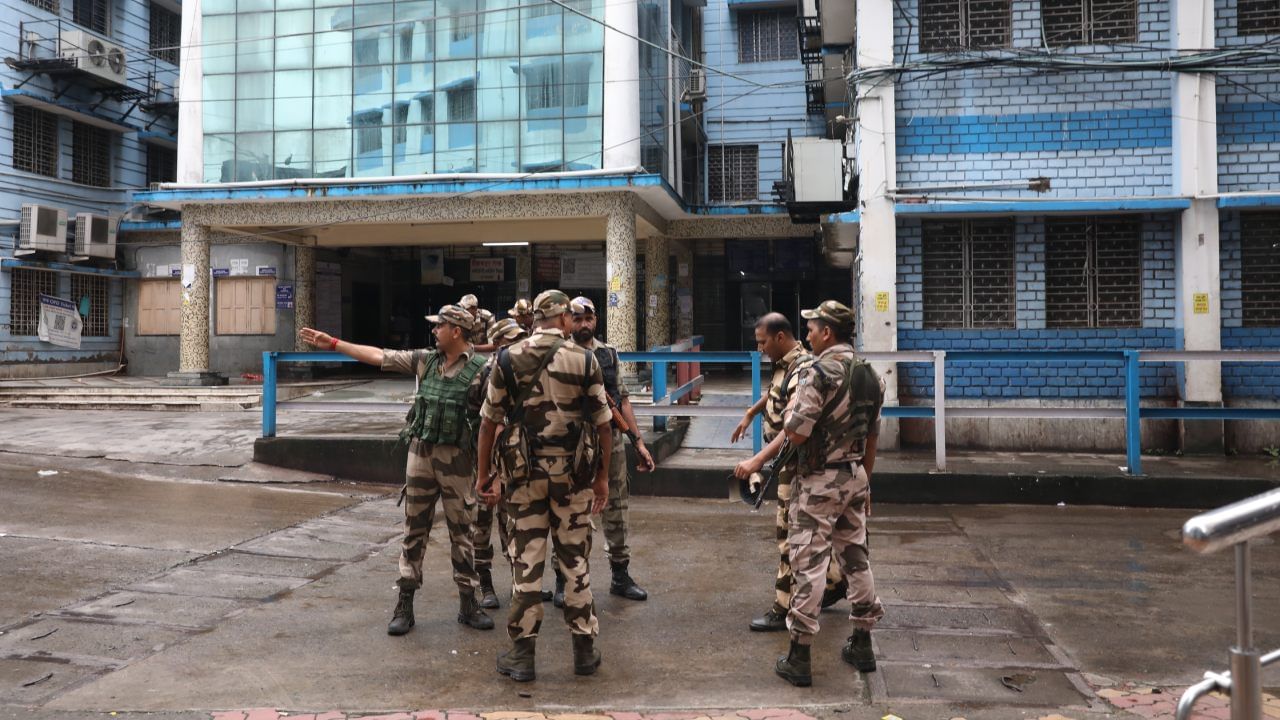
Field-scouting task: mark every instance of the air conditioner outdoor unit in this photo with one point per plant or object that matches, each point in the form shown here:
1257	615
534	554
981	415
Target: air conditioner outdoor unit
96	235
43	228
93	55
697	83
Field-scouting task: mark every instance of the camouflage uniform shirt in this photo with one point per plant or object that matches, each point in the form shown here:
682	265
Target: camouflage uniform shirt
479	334
847	415
414	362
556	407
781	386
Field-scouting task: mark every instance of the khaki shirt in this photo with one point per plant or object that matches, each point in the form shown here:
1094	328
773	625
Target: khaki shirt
853	414
570	390
479	334
781	387
414	362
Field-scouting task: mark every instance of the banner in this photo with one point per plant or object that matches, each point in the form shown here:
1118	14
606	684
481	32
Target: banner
59	322
488	269
582	270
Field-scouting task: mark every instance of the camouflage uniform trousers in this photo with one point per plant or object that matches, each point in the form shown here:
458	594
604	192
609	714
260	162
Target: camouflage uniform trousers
549	503
828	522
444	472
482	534
785	580
615	510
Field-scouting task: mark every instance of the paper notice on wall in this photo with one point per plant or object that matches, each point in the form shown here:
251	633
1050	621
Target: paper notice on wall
239	266
685	303
616	299
683	269
653	302
522	287
188	275
1200	303
882	301
59	322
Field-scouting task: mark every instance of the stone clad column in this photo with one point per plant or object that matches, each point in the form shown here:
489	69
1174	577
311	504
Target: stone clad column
304	292
683	251
193	342
524	273
657	308
620	275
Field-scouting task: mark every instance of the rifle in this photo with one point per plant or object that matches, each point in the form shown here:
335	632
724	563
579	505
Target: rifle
767	477
620	422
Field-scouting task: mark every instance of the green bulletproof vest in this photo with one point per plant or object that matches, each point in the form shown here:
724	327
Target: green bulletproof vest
441	414
846	427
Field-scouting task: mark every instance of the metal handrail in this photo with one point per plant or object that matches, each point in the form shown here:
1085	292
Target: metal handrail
1235	525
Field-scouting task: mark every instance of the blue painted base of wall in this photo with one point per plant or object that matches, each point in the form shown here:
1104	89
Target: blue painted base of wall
1251	380
1035	380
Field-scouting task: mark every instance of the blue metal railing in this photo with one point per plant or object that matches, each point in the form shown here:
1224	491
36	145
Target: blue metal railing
270	367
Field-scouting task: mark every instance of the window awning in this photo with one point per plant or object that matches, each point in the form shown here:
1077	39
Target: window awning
158	138
75	112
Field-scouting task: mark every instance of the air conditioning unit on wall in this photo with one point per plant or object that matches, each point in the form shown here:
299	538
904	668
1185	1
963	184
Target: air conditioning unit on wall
697	84
96	235
42	228
94	55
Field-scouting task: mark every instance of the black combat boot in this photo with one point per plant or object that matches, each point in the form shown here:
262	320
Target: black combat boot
557	598
586	658
488	598
858	653
834	594
773	621
623	584
469	612
794	667
402	618
517	663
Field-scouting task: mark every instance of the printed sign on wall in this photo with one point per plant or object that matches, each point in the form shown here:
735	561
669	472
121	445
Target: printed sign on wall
59	322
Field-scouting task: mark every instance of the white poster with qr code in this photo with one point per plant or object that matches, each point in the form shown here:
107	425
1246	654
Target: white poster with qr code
59	322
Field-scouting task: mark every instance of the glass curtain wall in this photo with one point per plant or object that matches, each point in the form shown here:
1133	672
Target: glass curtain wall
656	69
332	88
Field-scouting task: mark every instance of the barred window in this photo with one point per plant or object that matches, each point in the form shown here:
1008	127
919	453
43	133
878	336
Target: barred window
969	274
542	87
368	131
462	104
1260	269
90	155
162	164
98	322
947	25
1093	272
767	35
92	14
732	173
24	304
1257	17
166	33
50	5
1088	22
35	141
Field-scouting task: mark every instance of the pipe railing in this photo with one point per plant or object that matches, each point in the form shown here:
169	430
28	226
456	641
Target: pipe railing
1235	525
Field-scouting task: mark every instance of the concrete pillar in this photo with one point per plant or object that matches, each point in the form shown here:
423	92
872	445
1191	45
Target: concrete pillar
524	273
193	343
620	274
684	288
657	310
191	90
875	264
621	79
304	291
1198	314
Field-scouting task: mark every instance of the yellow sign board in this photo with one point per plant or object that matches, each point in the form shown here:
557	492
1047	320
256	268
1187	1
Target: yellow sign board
882	301
1200	303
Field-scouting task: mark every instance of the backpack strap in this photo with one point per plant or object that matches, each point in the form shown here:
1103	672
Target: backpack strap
516	415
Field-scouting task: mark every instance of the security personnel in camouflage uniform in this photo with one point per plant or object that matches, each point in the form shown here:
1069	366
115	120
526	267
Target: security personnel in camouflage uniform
563	400
441	434
503	333
775	338
615	513
479	335
522	313
834	420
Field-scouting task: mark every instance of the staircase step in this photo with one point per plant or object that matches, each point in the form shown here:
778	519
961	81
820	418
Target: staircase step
180	404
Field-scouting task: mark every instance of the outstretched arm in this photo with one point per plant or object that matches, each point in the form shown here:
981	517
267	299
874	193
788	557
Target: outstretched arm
366	354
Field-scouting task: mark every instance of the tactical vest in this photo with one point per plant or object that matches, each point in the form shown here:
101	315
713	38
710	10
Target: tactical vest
441	414
609	368
848	429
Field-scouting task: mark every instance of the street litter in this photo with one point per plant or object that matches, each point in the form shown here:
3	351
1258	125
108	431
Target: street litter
46	473
44	635
38	680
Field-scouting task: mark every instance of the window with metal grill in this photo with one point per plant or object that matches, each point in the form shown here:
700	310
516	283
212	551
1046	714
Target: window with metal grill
1088	22
1093	273
162	164
92	14
1257	17
50	5
732	173
968	274
35	141
98	322
767	35
90	155
1260	269
947	25
166	33
24	303
542	87
462	104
